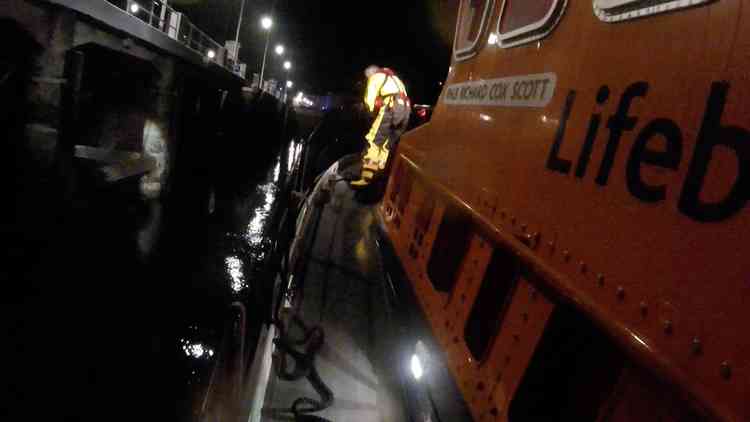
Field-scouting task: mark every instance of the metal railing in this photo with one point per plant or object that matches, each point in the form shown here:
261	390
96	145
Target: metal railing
177	26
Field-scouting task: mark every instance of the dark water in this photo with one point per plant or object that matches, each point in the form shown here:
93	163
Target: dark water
114	307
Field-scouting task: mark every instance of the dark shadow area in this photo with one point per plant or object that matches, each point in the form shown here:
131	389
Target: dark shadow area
117	95
492	302
27	180
560	383
342	132
404	332
449	249
113	302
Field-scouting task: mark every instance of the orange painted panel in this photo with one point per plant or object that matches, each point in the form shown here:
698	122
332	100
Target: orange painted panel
628	177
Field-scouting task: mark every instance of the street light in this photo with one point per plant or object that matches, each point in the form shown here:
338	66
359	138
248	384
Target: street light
135	8
289	85
287	65
266	23
237	36
279	49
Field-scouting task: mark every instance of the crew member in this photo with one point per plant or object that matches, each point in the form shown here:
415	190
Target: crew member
386	98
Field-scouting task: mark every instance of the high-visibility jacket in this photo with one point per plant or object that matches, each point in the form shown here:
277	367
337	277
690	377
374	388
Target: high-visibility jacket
382	87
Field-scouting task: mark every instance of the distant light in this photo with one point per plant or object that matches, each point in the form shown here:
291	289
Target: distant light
279	49
211	54
197	350
289	84
266	22
287	65
135	8
416	367
298	99
485	117
493	39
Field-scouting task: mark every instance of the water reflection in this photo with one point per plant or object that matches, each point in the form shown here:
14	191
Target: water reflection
196	350
250	243
236	272
298	152
147	235
255	229
277	171
291	155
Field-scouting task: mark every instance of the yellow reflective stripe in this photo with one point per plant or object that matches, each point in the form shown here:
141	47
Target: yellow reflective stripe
383	157
382	85
375	126
373	152
373	88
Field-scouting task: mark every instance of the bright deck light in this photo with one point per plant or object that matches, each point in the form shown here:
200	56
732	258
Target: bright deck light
416	367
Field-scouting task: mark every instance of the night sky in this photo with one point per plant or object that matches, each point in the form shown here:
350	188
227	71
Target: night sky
331	42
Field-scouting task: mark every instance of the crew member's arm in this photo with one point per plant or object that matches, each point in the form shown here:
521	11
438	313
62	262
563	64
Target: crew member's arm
373	90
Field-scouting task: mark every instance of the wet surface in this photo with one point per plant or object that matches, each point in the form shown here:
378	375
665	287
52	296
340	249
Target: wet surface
152	309
342	294
116	307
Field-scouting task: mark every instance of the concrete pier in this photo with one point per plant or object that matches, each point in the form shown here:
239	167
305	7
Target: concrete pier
103	79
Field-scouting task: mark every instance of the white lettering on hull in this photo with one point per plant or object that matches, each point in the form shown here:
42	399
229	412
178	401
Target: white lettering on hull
515	91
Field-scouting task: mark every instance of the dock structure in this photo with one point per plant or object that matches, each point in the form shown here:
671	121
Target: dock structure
108	84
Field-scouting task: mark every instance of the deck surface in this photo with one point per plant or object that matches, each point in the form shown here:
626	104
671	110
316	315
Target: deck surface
342	293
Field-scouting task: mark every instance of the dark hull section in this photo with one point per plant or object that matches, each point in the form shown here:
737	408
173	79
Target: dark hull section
436	392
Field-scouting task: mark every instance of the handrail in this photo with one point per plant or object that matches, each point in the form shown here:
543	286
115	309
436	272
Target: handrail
163	18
